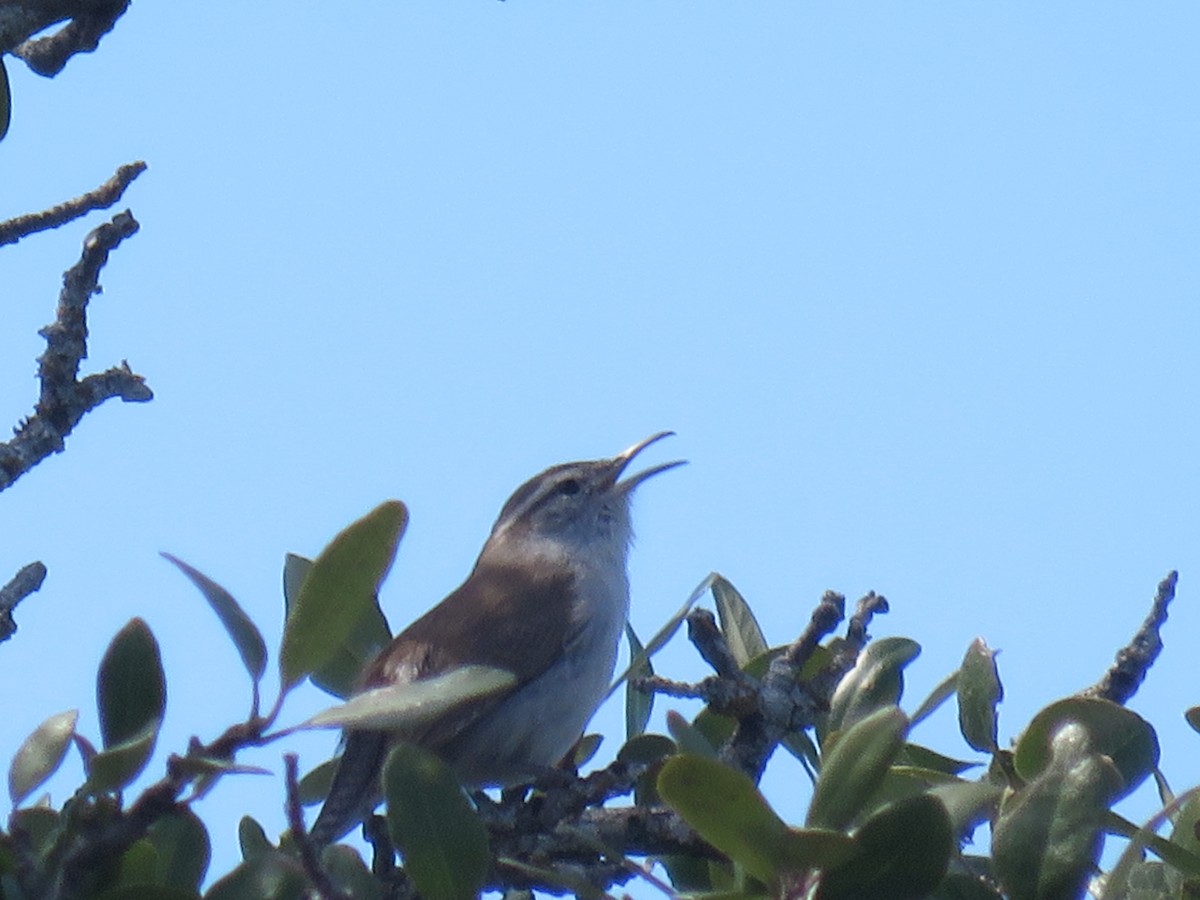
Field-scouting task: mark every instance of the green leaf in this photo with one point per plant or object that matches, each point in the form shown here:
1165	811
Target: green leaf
903	852
689	874
689	738
130	688
295	570
875	682
211	765
1114	731
979	692
1127	869
901	783
647	749
916	755
340	675
801	746
638	703
252	839
1152	880
1047	837
725	808
968	803
245	634
349	873
855	767
403	707
40	755
716	728
445	846
585	748
668	630
136	865
939	695
116	766
39	825
209	770
270	876
817	848
314	786
5	101
339	591
1185	832
131	694
742	633
183	850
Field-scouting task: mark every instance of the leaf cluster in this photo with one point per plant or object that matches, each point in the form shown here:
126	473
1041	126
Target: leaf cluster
888	818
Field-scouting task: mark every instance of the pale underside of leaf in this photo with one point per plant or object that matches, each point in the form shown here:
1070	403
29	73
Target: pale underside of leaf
409	706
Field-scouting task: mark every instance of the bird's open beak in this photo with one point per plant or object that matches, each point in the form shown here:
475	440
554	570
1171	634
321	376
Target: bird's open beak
622	460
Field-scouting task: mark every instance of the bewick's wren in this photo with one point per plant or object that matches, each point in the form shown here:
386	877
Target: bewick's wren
547	600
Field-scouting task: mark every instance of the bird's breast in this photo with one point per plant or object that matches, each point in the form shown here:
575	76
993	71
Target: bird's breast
534	728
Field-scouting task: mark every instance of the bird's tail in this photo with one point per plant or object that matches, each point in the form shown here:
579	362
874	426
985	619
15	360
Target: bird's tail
355	788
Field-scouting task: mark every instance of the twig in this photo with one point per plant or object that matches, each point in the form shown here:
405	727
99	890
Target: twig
1134	660
308	854
829	612
88	23
734	697
383	853
102	197
64	399
646	873
704	633
24	583
668	687
867	608
108	839
785	703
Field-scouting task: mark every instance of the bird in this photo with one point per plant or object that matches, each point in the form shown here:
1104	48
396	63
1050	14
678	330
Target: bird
547	601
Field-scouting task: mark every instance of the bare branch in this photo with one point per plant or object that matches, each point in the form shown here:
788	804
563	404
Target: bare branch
704	633
564	829
106	837
1134	660
383	859
24	583
64	398
829	612
102	197
868	607
87	21
308	853
786	704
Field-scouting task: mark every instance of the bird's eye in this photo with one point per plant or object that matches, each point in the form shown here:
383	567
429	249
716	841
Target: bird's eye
569	486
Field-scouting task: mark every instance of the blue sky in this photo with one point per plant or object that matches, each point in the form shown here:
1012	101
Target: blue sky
916	285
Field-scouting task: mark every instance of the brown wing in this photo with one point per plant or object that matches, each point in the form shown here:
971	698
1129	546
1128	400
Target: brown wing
355	788
502	616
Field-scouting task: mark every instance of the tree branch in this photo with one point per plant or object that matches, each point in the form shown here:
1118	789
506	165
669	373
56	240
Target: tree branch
87	21
106	831
768	710
563	837
564	831
64	399
324	888
102	197
1134	660
24	583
